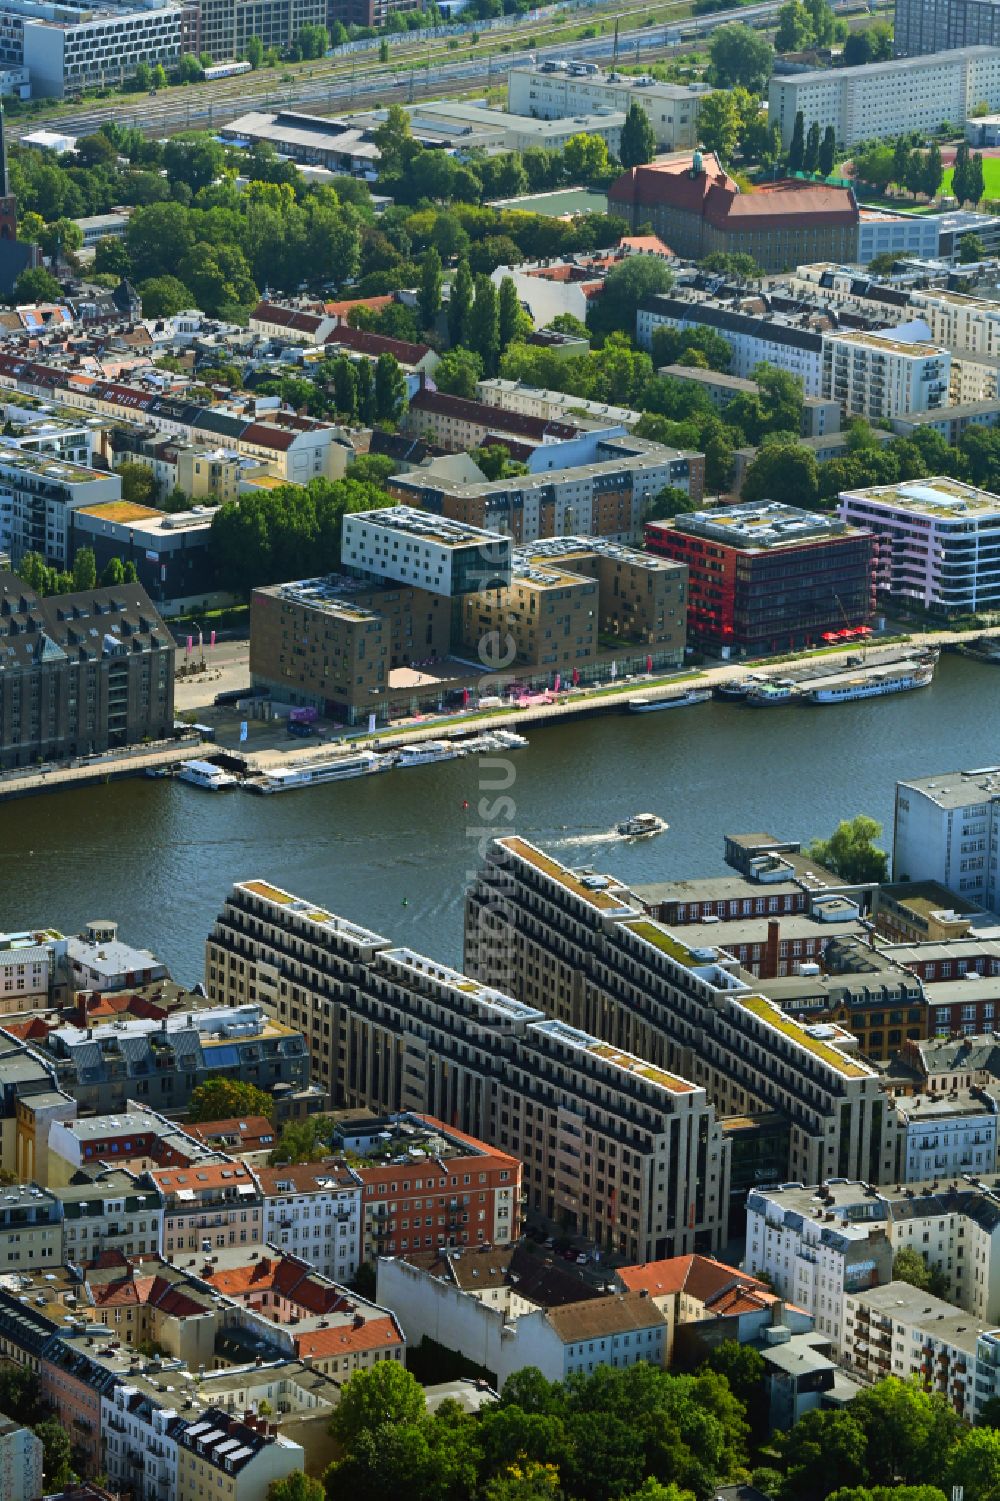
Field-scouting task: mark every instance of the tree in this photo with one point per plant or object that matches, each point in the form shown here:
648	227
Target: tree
84	570
255	52
910	1266
457	373
20	1390
851	851
719	124
974	1464
394	139
976	185
387	1395
296	1487
513	321
129	573
970	249
56	1454
460	304
932	172
910	1432
638	138
671	501
429	295
220	1099
189	69
901	161
874	166
300	1141
823	1451
794	27
139	483
159	79
797	145
586	159
345	388
961	184
484	325
113	573
625	286
162	296
810	156
782	470
36	284
390	389
828	151
496	463
740	55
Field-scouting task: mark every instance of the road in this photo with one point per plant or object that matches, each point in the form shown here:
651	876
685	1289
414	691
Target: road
226	669
208	106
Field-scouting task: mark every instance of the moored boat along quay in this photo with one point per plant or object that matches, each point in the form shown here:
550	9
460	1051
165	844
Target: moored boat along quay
789	681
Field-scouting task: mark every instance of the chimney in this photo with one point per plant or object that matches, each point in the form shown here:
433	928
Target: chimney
769	968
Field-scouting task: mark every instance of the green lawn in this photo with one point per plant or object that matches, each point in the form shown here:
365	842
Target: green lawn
991	176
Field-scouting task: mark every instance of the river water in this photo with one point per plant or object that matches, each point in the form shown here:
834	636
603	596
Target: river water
394	851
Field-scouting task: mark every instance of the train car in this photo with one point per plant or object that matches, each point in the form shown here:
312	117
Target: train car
226	70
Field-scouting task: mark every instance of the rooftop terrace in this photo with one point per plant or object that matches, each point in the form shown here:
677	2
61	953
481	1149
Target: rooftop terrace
802	1036
593	889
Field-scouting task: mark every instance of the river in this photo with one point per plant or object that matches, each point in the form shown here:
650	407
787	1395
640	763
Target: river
393	851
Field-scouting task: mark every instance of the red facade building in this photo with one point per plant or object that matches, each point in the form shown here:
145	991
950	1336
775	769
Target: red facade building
768	577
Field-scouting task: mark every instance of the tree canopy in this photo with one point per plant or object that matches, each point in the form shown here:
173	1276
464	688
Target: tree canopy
220	1099
851	851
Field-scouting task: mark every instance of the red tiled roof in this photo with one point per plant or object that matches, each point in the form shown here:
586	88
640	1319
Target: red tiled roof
267	437
715	196
252	1128
698	1276
286	317
370	343
373	1334
342	309
208	1175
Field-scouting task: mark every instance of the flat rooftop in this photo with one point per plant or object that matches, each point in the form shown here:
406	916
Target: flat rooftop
767	524
815	1040
406	521
295	905
613	1057
594	889
904	1303
958	789
919	349
941	498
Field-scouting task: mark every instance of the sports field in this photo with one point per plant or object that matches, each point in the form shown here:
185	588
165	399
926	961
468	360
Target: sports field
991	176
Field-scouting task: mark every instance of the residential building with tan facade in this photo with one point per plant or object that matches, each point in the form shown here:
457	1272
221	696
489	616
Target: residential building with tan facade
580	947
627	1152
208	1205
220	1458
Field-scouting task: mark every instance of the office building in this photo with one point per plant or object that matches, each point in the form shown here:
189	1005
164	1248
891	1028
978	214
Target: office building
621	1151
694	205
81	672
901	1331
938	543
922	26
581	947
21	1456
767	578
67	50
557	90
946	830
170	551
877	376
884	100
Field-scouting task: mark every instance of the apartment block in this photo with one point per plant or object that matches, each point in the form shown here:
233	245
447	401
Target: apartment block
313	1210
944	1136
67	54
946	829
581	947
754	339
900	1331
938	543
534	401
41	494
769	577
223	1455
21	1456
626	1153
819	1244
878	377
922	26
442	556
880	100
29	968
603	499
557	90
209	1204
82	672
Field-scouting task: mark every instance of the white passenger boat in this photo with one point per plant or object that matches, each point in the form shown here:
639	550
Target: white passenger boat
641	826
290	778
509	739
426	752
204	774
900	679
677	701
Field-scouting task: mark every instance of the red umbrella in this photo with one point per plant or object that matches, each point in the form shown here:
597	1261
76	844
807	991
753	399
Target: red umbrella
649	664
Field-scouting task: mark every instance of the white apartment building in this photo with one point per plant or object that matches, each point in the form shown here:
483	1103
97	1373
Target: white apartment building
139	1445
555	90
111	1213
424	551
812	1255
66	56
42	492
819	1244
939	543
502	1332
313	1210
29	967
753	339
21	1455
887	99
947	829
879	375
897	1330
549	406
945	1136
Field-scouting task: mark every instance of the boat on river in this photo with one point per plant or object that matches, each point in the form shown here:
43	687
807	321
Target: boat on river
291	778
675	701
900	679
641	826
